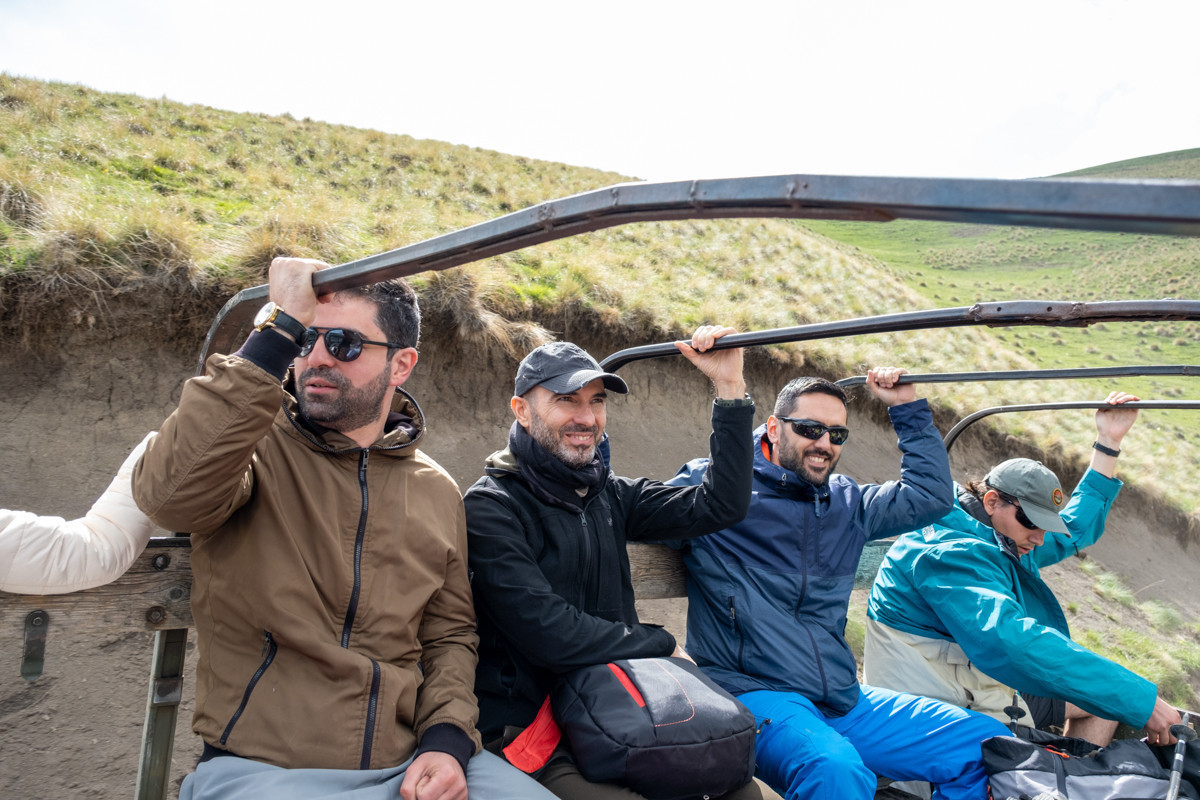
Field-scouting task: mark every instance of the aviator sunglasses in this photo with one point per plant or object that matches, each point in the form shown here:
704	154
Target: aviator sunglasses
1021	518
811	429
342	344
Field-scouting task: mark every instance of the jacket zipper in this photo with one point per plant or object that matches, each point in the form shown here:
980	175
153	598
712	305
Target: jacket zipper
269	650
352	609
737	630
372	705
586	590
812	642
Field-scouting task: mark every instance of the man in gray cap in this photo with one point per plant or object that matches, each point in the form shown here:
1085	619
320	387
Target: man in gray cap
547	526
959	611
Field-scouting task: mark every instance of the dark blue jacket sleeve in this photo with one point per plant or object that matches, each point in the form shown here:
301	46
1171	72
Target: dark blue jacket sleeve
925	491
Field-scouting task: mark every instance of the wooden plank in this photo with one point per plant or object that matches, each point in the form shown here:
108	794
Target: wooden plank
153	595
658	570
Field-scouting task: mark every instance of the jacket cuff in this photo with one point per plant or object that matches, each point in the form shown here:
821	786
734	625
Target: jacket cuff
737	402
269	351
446	738
735	412
1103	485
913	417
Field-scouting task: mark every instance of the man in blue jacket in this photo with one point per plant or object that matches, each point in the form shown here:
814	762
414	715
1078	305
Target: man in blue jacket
768	597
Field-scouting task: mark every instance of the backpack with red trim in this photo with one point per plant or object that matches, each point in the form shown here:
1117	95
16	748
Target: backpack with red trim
657	725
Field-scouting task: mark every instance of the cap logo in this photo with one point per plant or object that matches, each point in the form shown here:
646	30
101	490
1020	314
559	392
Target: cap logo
1057	497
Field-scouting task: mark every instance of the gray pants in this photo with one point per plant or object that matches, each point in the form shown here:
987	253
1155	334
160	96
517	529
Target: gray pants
234	778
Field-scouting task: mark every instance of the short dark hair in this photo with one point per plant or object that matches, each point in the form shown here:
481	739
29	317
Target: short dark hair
788	395
396	310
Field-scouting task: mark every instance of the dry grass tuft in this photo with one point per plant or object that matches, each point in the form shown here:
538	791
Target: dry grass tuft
453	295
19	204
29	99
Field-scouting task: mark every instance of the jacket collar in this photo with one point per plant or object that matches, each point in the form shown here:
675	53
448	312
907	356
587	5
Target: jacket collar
973	518
785	482
405	427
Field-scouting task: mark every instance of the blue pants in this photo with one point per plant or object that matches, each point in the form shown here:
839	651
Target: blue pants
802	753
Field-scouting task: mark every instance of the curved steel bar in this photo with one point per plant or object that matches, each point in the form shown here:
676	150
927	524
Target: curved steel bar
1016	312
971	419
1161	207
1035	374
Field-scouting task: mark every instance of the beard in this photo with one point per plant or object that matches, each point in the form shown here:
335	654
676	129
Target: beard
351	408
792	458
552	442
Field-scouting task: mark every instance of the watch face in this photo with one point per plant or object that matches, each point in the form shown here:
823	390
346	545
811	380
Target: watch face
265	314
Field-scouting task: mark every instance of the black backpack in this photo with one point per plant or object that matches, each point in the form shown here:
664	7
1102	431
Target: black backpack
657	725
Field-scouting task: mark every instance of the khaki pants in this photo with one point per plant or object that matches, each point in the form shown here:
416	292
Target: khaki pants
904	662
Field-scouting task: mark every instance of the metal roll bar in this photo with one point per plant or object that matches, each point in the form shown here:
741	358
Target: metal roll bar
1016	312
1035	374
1157	207
971	419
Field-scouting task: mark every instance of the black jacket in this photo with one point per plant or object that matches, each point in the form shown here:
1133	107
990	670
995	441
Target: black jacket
552	588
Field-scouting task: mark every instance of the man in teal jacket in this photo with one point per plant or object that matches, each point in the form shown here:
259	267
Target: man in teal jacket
960	613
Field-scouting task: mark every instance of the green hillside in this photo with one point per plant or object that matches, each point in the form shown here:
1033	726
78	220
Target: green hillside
106	195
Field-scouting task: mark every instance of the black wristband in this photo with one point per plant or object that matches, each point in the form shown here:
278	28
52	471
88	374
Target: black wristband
1108	451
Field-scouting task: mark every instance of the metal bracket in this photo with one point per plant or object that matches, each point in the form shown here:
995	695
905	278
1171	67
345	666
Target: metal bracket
162	710
166	692
33	657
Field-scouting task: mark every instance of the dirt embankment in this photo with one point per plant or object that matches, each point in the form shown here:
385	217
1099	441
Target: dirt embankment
76	405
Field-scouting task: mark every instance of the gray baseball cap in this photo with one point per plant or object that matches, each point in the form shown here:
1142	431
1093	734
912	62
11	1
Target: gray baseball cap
563	368
1035	487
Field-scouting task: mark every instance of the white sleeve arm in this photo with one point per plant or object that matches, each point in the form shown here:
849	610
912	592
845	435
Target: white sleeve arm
51	555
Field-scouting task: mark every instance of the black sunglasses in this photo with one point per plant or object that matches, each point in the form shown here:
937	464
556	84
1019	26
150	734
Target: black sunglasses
1021	518
342	344
811	429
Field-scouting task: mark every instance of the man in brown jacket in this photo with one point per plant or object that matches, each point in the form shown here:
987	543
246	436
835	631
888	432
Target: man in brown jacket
330	593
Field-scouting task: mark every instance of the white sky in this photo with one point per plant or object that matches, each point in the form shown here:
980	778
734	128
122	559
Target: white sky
664	90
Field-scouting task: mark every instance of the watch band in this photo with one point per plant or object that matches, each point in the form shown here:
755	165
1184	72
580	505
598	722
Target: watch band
279	318
1108	451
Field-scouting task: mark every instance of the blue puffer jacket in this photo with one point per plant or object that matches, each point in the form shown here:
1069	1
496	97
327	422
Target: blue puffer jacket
953	580
767	598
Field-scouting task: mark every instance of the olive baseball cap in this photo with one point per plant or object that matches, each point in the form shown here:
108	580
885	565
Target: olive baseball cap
1035	487
563	368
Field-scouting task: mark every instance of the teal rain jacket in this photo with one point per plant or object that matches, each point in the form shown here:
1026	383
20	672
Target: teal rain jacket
953	580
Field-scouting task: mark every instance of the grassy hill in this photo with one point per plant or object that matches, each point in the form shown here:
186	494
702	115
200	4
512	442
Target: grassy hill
105	196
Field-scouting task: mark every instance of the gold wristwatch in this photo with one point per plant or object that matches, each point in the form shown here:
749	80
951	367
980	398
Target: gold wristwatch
272	315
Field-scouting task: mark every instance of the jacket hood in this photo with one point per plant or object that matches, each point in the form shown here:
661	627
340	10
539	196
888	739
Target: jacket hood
404	429
501	461
785	482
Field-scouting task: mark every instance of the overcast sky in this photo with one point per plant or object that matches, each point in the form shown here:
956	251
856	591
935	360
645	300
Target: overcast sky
665	90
